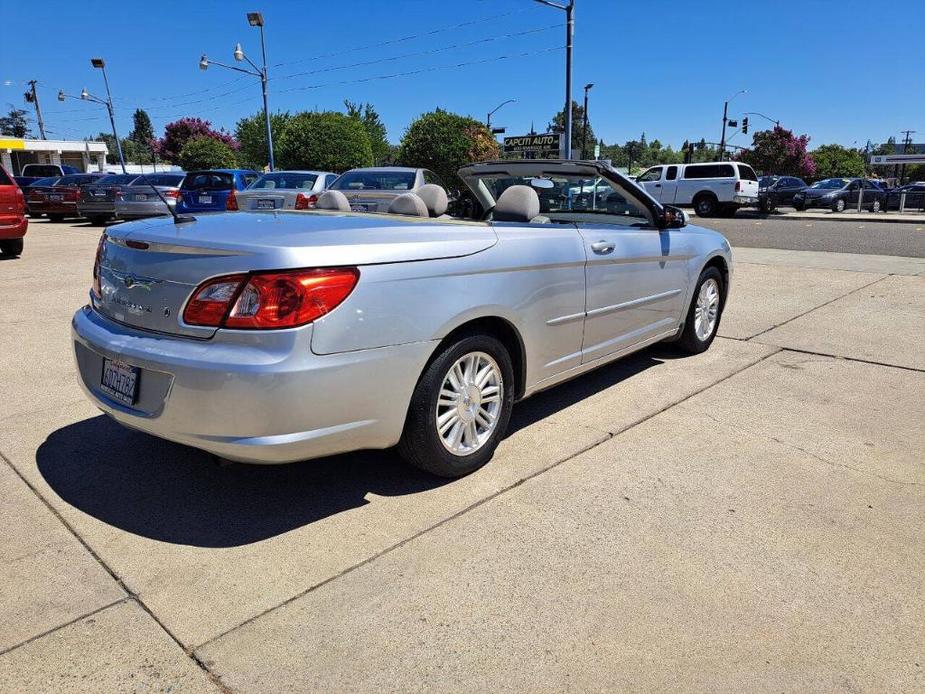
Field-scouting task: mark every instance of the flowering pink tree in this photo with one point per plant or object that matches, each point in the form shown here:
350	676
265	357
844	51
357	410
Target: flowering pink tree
779	151
181	131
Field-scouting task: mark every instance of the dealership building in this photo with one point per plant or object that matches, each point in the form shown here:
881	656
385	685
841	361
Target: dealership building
15	153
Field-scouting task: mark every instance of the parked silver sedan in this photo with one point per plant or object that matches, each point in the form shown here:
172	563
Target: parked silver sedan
278	336
140	200
374	189
285	190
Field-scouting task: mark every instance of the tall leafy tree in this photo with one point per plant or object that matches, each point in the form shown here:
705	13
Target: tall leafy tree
328	141
375	129
205	152
15	123
443	142
834	161
181	131
251	134
779	151
578	129
143	131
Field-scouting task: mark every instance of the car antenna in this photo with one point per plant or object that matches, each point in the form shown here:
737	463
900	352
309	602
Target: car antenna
177	218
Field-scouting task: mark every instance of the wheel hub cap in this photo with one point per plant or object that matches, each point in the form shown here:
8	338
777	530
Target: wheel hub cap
469	403
706	309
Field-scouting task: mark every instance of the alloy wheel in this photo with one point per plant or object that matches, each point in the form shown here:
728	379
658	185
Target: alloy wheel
706	310
469	403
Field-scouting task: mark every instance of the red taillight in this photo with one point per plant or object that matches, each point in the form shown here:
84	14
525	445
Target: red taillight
72	194
231	203
20	201
96	267
175	194
269	300
305	202
179	197
117	193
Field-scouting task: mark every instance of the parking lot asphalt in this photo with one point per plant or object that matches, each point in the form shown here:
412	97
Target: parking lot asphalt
748	519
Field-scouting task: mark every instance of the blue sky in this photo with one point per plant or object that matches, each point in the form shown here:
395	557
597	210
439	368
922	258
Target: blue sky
841	71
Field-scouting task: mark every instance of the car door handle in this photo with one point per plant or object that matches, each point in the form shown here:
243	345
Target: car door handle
602	247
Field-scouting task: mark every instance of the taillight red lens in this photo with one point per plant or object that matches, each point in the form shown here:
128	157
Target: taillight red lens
305	202
270	300
179	197
231	202
175	194
97	290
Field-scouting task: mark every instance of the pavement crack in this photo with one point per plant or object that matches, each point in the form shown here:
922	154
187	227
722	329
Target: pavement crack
8	649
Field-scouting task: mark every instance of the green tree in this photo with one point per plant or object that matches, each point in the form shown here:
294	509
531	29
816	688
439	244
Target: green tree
15	123
205	152
578	129
181	131
779	151
143	131
443	142
251	134
375	129
327	140
835	161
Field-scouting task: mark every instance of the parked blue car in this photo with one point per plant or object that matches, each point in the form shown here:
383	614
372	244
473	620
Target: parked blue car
213	190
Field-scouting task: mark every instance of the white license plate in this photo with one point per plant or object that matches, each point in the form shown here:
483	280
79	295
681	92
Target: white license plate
205	199
141	197
264	204
120	381
56	198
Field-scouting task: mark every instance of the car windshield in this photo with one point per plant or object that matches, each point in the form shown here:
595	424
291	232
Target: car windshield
50	181
48	170
208	180
116	179
375	180
284	180
567	197
830	184
158	180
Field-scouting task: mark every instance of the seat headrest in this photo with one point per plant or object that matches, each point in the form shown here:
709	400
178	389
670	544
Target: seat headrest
408	204
434	198
517	204
333	200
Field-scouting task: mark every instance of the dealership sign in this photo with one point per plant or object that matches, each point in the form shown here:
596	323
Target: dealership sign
888	159
545	146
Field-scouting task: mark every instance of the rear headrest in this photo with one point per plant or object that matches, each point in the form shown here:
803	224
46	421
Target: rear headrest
333	200
408	204
434	197
517	204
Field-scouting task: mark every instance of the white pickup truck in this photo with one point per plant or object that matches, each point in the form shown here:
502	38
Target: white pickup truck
712	188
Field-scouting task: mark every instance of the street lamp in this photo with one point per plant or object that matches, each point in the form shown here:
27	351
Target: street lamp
255	19
722	141
584	135
503	103
767	118
107	102
569	10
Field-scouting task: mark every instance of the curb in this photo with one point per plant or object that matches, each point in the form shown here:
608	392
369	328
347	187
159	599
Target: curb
875	217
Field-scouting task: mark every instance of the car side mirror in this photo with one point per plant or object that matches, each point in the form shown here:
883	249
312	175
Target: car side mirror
673	218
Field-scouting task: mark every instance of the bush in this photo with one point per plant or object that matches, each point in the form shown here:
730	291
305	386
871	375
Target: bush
326	141
206	153
835	161
443	142
181	131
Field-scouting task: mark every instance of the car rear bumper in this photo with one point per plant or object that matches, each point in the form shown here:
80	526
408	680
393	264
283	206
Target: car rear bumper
14	230
253	398
137	210
94	208
64	208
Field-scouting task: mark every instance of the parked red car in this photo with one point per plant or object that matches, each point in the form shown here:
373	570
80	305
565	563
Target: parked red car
60	200
13	222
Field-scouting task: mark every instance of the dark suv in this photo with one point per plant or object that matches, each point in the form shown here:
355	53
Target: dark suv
774	191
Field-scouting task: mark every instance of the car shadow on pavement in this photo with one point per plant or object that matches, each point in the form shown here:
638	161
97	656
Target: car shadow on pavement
176	494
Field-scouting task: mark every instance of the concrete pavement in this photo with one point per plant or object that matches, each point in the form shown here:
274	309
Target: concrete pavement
747	519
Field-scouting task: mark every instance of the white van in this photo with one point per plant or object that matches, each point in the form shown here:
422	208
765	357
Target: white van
712	188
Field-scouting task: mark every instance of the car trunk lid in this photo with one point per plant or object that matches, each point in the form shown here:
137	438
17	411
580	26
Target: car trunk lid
149	269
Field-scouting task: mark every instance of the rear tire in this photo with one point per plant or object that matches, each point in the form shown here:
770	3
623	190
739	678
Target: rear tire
705	204
460	408
11	247
839	205
799	206
875	207
98	221
703	316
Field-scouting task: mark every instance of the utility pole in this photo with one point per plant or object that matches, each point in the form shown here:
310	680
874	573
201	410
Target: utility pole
32	97
584	136
722	140
569	10
906	143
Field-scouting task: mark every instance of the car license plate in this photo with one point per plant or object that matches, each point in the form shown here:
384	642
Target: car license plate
56	198
357	207
264	204
120	381
140	197
205	199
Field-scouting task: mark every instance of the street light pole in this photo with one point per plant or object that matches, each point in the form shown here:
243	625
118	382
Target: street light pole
767	118
722	140
255	19
98	63
569	10
584	129
490	113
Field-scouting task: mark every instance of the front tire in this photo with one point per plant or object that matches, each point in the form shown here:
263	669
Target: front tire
460	408
703	316
838	205
875	207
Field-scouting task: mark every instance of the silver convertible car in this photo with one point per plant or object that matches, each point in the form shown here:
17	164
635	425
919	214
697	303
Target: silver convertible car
272	337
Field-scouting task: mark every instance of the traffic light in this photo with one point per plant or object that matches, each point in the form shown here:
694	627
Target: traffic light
745	125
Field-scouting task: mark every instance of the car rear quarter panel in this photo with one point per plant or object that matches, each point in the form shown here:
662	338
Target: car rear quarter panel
532	278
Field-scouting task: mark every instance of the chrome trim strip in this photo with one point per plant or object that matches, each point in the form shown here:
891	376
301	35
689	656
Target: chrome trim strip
565	319
632	304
